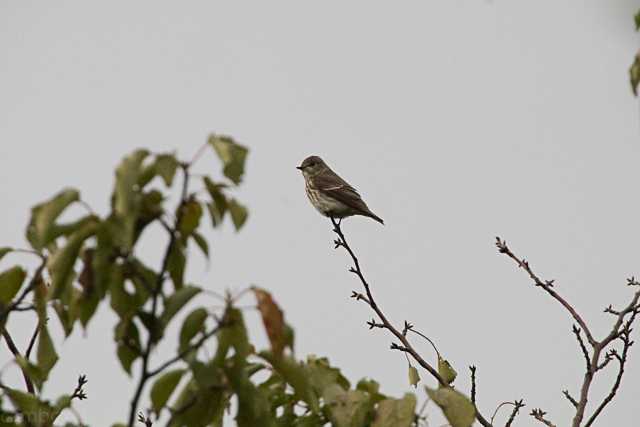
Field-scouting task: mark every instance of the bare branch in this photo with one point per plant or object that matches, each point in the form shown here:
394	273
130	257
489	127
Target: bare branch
518	404
570	398
585	353
342	242
472	368
547	286
539	414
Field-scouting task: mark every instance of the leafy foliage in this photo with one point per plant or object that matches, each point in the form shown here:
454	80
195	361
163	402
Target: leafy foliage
94	258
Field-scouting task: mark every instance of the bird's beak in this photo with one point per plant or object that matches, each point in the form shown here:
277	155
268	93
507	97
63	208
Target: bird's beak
299	167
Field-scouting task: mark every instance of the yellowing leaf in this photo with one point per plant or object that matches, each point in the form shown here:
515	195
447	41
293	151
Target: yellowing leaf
414	377
446	371
457	407
190	214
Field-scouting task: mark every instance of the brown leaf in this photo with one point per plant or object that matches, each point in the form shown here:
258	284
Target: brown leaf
273	320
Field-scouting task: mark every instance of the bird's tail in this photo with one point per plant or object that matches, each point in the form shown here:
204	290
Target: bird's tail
374	216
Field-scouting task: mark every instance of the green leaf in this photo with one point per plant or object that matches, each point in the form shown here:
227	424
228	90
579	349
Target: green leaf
201	242
166	165
347	408
164	387
200	406
193	324
176	265
218	206
396	412
446	371
457	407
239	213
128	338
190	214
4	251
232	154
295	375
46	352
32	371
127	197
636	19
10	283
322	375
176	301
61	263
43	215
26	403
373	388
414	377
634	74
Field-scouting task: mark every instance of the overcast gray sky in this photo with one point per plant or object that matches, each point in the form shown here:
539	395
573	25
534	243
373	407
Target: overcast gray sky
457	120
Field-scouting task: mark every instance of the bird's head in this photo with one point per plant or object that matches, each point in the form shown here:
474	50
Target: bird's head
312	165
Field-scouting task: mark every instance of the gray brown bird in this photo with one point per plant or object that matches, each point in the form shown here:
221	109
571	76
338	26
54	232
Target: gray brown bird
331	195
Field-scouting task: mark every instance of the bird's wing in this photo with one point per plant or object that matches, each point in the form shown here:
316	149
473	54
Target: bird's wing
339	189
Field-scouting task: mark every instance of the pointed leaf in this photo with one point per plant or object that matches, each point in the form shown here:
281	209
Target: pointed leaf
446	371
10	283
127	195
414	377
4	251
166	165
175	302
46	352
634	74
272	318
232	154
193	324
201	242
164	387
61	263
238	213
43	215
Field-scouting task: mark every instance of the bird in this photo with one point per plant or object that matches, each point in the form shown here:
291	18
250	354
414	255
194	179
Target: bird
331	195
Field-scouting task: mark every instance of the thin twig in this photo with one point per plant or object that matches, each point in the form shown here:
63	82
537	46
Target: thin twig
472	368
406	345
16	353
539	414
518	404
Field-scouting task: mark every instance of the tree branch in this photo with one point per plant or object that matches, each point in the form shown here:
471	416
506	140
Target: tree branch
547	286
621	330
157	291
406	345
16	353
